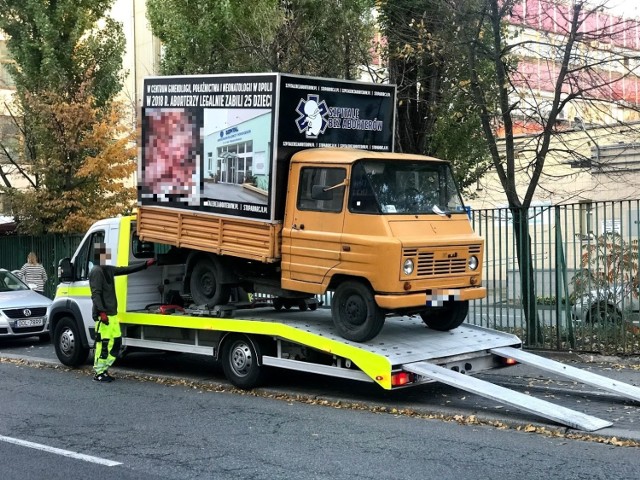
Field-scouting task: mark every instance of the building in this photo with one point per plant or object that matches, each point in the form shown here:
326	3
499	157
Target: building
595	154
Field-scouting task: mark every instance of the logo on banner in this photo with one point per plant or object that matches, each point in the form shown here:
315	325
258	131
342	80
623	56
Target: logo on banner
313	116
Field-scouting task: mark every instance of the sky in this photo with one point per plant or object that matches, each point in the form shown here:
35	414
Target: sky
628	8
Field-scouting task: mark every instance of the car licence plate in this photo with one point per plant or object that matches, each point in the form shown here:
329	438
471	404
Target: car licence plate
29	322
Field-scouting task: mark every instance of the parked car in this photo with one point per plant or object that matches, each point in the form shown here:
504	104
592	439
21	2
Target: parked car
23	312
606	305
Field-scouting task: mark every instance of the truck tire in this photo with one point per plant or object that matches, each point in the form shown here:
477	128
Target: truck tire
355	313
205	285
278	303
447	317
241	362
603	313
68	343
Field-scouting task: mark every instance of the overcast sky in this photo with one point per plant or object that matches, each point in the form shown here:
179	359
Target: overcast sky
628	8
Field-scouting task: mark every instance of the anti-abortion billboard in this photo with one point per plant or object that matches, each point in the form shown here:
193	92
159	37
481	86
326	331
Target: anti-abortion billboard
221	143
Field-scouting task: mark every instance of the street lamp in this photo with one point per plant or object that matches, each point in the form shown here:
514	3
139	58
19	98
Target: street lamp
580	124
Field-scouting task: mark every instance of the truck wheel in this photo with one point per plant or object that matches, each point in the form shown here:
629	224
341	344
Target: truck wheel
68	343
240	362
603	313
446	317
355	313
278	303
206	288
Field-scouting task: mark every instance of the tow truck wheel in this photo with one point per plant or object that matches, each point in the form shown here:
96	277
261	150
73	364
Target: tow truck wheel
68	343
355	313
446	317
206	288
241	362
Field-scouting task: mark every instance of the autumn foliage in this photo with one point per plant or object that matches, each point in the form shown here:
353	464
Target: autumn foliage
83	157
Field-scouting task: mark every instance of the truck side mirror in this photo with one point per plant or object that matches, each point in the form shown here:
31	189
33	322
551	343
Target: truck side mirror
65	270
320	192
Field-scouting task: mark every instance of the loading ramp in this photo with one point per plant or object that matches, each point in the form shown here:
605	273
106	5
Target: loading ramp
542	408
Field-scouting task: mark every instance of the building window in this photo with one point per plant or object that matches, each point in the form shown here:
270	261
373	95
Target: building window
6	81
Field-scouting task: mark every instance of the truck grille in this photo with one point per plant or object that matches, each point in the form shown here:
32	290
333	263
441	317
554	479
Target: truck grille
444	261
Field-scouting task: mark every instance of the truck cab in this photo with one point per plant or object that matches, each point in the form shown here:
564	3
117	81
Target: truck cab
388	233
71	318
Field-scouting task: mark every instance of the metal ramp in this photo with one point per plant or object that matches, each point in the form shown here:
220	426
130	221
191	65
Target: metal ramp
500	394
525	402
588	378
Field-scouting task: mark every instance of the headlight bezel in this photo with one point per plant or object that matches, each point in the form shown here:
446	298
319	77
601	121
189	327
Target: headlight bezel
473	263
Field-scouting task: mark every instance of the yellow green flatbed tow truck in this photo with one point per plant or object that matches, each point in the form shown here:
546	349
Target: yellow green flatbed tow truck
249	341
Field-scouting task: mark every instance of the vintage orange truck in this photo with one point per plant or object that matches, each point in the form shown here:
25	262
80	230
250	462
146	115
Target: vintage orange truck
289	186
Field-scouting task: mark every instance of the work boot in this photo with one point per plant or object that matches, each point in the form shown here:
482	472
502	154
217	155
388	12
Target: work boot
103	377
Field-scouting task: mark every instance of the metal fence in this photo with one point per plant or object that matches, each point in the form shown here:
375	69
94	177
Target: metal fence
49	249
584	260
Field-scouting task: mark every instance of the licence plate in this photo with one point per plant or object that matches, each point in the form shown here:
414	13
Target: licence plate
30	322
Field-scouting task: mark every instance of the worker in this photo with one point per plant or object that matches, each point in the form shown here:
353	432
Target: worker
105	309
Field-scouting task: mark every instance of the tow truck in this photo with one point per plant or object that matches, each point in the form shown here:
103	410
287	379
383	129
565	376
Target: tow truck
249	341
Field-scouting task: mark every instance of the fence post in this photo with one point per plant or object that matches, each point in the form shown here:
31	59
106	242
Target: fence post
562	290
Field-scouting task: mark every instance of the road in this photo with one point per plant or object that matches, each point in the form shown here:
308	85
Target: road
152	428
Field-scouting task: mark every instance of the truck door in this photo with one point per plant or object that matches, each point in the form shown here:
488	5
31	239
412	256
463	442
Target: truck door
312	233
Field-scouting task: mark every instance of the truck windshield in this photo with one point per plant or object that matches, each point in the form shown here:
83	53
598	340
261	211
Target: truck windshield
403	187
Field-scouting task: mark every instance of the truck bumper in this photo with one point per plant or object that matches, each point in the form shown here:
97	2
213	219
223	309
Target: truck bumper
430	298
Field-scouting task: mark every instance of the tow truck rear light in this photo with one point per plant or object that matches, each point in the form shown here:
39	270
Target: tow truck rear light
401	378
509	361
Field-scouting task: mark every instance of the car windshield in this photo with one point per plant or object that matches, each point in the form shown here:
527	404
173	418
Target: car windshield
403	187
10	283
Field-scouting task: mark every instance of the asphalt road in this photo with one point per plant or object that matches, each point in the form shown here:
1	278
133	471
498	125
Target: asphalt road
433	400
152	429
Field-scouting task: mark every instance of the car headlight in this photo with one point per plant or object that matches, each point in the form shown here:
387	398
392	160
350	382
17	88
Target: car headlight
408	266
473	262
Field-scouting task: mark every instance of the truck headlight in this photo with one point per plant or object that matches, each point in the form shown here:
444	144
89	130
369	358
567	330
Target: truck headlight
408	266
473	262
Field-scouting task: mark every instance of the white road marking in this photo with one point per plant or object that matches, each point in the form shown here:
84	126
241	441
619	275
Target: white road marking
59	451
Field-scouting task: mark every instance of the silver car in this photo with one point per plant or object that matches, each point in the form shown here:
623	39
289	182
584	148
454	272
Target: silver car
23	312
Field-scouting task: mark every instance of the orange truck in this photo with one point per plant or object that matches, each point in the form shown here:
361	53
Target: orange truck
288	186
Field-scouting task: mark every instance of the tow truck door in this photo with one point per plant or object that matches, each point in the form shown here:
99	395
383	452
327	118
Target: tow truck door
312	231
78	290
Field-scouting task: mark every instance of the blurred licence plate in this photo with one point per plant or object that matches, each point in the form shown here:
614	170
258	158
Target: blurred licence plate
29	322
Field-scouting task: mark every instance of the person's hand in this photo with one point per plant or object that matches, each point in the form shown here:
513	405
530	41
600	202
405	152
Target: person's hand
104	318
150	262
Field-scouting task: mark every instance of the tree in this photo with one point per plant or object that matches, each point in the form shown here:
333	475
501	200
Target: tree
85	152
579	75
315	37
435	114
57	46
76	148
